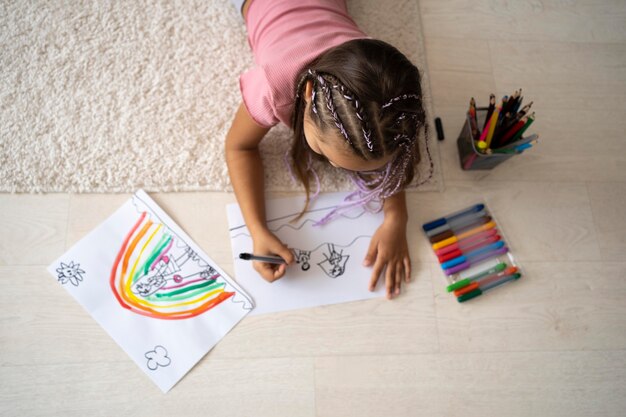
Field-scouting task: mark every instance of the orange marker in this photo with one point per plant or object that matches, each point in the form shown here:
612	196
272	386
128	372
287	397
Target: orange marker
478	229
466	289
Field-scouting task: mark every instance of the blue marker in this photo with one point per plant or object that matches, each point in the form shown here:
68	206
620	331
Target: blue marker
472	255
458	214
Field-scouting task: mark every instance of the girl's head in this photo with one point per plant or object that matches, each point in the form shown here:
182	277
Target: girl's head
359	106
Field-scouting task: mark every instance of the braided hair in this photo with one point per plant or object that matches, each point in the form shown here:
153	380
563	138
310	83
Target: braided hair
370	93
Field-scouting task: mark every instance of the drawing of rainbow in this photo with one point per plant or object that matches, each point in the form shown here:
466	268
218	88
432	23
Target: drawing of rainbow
155	277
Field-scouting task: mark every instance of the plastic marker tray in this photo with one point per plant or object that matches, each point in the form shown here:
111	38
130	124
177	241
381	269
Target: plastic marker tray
472	251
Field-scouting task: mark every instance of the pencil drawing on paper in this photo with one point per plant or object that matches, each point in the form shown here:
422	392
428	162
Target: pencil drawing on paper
303	257
70	273
157	357
331	257
334	263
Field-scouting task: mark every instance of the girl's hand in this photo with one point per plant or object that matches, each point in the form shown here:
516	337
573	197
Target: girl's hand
388	248
266	243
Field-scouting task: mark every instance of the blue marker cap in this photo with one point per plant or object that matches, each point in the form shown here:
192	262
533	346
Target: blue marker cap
444	220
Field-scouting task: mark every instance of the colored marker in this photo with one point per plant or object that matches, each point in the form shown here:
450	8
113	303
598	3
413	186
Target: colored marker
441	236
456	223
493	270
500	281
465	265
456	253
476	230
480	291
461	229
461	236
481	220
444	220
473	255
267	259
468	288
462	244
486	279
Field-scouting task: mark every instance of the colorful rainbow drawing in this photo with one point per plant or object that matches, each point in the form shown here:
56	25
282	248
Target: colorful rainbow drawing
154	277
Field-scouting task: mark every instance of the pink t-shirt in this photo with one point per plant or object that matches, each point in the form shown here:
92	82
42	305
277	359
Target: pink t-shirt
285	36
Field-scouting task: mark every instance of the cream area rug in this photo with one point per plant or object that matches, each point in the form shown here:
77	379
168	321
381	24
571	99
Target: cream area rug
99	96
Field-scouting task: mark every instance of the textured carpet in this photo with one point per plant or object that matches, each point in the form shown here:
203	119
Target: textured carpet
115	96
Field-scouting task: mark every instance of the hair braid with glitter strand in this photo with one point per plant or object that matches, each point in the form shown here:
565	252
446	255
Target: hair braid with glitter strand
370	93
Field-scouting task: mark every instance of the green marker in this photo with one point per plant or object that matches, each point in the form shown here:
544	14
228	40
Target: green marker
469	295
479	291
462	283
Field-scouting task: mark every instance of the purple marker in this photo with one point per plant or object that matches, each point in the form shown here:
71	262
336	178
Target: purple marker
467	264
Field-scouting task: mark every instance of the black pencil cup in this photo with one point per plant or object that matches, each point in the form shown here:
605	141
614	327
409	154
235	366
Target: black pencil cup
469	156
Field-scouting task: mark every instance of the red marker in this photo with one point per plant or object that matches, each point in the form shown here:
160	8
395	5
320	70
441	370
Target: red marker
471	240
467	247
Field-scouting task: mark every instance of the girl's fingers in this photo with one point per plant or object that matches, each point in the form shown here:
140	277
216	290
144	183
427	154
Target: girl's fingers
390	280
285	253
407	270
267	271
372	251
399	276
280	271
378	267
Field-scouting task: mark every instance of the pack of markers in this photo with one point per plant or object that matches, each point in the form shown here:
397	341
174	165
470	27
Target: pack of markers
472	252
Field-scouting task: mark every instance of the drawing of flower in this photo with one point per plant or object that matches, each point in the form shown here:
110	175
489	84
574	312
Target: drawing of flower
70	273
157	357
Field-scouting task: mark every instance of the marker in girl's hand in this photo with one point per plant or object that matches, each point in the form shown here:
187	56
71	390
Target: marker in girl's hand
266	258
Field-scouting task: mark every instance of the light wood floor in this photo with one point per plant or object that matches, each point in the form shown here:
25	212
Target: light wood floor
552	344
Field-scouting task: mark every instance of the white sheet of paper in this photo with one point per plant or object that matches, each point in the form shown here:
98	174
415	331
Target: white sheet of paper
156	293
330	258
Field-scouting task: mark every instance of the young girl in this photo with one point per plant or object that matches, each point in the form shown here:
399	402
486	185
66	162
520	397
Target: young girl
352	101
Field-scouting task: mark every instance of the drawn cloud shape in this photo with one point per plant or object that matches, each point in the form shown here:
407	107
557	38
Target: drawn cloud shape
157	357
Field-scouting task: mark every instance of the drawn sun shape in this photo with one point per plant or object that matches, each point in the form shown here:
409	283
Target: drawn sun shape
71	273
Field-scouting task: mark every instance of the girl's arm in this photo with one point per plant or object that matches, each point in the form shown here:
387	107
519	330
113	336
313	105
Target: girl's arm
389	248
246	174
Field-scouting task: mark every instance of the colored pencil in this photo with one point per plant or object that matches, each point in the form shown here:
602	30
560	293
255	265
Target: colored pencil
473	120
492	126
490	109
529	121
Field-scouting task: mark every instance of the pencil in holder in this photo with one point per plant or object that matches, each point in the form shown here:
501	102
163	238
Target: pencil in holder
469	156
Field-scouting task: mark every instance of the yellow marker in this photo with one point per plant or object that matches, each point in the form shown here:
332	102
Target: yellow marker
445	242
492	126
